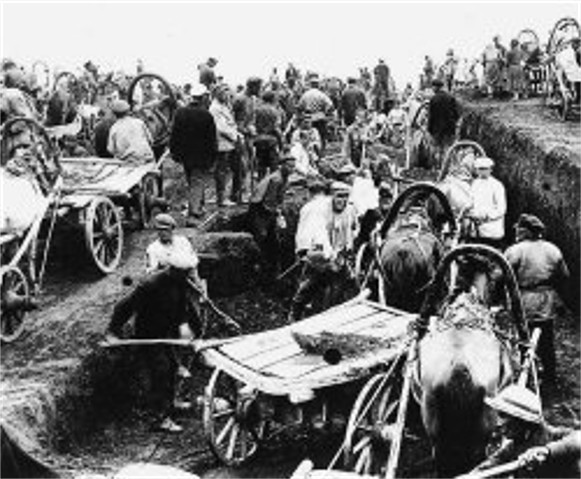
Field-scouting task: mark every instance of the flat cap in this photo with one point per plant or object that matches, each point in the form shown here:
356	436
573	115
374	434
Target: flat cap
531	223
483	162
163	221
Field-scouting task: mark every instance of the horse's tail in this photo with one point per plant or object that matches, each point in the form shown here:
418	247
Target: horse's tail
459	406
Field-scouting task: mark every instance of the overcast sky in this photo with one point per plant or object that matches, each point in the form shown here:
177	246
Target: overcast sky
251	38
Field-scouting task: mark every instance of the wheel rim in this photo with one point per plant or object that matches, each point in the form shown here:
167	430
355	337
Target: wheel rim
104	234
232	421
15	293
366	436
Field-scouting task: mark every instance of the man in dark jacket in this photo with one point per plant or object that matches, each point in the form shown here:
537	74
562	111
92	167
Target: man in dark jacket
443	114
265	214
193	144
352	99
160	308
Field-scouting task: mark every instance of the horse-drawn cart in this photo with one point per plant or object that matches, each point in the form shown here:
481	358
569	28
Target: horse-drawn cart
261	379
87	194
563	73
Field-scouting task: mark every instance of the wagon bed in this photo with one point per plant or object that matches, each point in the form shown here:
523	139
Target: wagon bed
274	363
83	178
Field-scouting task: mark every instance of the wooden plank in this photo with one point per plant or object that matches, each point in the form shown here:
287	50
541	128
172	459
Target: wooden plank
294	366
324	376
378	324
251	345
106	177
348	369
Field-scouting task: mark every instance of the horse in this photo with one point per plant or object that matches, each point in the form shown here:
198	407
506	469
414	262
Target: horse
412	245
461	360
158	112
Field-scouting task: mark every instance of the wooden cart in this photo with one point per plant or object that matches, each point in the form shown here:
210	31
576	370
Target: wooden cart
261	378
99	194
86	194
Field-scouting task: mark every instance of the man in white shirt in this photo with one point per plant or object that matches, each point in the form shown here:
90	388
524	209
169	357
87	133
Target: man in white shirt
489	204
168	244
330	250
129	137
311	231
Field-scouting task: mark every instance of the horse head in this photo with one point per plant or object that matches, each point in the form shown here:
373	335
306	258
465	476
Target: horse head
412	245
462	360
157	113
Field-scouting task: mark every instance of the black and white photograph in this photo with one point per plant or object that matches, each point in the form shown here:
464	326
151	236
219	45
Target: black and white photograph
290	239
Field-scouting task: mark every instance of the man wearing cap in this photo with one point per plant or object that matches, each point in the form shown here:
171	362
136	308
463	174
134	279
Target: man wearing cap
129	137
265	213
541	273
443	115
161	252
488	204
319	106
327	259
352	99
521	425
311	232
193	144
162	307
228	138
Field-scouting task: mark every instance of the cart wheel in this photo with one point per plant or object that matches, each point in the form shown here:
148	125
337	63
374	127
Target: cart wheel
104	234
15	296
368	432
232	421
149	192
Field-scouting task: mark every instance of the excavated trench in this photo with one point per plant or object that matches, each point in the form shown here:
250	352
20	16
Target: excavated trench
84	409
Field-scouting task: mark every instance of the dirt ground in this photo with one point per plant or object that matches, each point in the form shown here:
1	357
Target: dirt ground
534	119
75	307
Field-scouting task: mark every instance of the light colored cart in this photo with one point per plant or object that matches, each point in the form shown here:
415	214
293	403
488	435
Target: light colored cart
262	378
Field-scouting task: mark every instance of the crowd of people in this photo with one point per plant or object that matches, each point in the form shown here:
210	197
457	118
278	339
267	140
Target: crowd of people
255	137
516	70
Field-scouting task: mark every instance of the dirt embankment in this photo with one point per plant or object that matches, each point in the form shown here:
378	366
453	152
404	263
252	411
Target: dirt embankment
538	159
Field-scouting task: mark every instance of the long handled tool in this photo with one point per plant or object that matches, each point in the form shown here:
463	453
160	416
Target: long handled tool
229	321
495	471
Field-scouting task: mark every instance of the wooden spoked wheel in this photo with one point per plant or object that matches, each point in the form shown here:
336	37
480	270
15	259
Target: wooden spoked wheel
15	296
564	31
148	194
370	427
104	234
233	424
